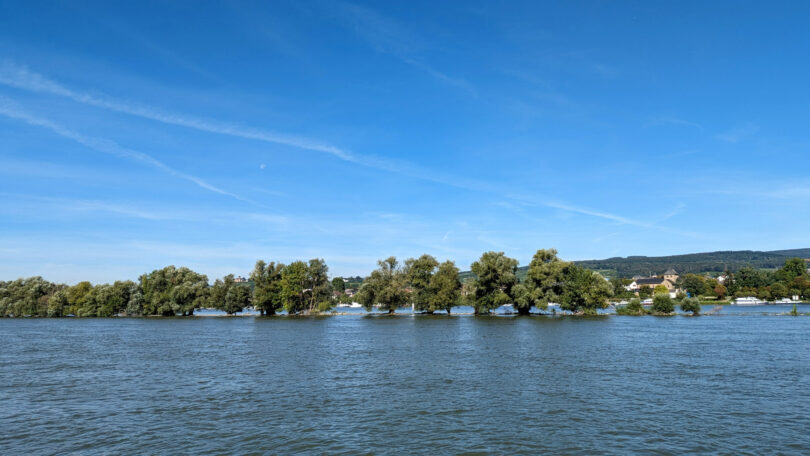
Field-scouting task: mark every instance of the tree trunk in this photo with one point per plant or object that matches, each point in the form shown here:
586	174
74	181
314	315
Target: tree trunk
391	311
523	311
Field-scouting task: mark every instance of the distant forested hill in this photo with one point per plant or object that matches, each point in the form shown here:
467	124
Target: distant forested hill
697	263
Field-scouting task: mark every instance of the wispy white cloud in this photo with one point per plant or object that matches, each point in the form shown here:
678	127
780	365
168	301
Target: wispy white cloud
738	134
10	110
599	214
389	37
20	77
56	207
677	209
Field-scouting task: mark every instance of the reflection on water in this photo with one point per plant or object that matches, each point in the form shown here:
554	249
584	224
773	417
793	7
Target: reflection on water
732	383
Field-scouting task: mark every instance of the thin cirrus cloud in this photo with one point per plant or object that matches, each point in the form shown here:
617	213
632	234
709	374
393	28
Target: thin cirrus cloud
20	77
8	109
389	37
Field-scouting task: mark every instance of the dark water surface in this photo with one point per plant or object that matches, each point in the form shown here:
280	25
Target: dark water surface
734	384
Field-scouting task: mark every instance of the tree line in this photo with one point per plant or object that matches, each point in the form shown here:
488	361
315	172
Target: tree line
304	287
429	286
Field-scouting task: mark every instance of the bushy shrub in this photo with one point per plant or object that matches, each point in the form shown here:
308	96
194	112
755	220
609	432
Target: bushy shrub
691	305
634	307
662	304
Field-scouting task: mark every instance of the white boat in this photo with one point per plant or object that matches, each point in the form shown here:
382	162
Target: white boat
784	301
748	301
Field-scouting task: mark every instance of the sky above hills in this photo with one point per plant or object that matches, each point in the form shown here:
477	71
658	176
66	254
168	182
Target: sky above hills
136	135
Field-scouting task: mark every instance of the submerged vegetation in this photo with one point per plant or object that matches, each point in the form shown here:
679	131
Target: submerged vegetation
303	288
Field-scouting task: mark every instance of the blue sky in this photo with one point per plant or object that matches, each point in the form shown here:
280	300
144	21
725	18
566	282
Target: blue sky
136	135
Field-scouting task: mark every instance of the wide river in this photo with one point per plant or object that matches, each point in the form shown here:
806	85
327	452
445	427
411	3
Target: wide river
355	384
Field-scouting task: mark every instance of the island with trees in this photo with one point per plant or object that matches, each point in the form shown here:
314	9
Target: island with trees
424	284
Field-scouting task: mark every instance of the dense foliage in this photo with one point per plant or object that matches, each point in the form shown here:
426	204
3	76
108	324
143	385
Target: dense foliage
663	304
304	287
493	284
432	286
385	287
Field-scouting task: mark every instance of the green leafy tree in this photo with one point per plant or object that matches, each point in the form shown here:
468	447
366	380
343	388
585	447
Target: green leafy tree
267	287
731	285
319	291
339	285
694	285
293	284
385	286
749	277
660	289
229	296
545	280
633	307
418	273
779	290
663	304
77	296
26	297
445	288
495	275
584	290
135	303
106	300
691	305
794	267
58	303
173	291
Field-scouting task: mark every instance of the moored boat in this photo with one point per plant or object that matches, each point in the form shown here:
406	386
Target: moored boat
748	301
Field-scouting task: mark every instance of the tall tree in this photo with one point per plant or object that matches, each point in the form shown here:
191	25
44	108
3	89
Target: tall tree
319	294
293	284
445	288
173	291
338	284
267	287
749	277
385	286
419	272
693	284
544	281
229	296
583	290
495	275
794	267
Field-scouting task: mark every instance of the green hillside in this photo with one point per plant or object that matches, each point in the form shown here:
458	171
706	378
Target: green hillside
697	263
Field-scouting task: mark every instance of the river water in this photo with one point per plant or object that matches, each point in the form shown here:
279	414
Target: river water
357	384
